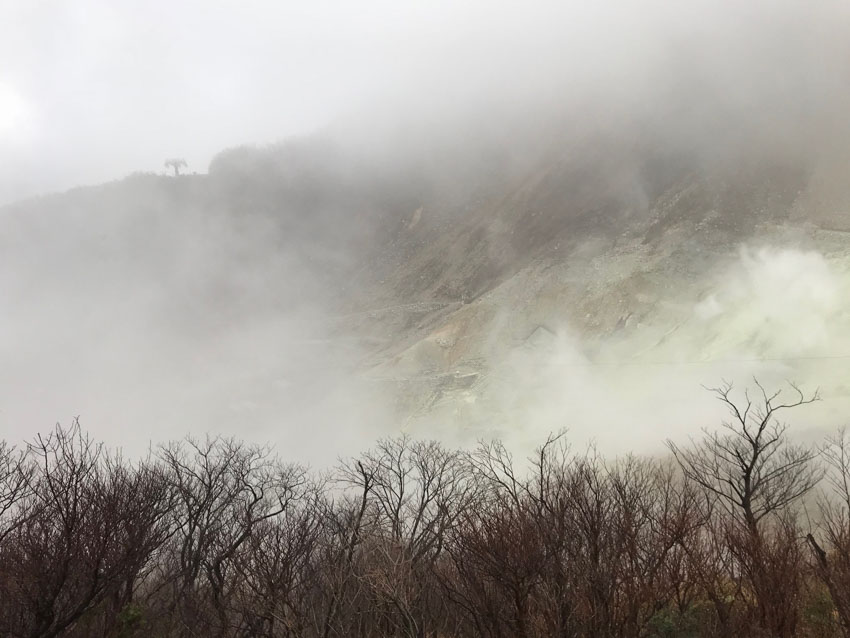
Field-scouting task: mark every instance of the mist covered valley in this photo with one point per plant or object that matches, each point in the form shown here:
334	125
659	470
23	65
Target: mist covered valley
424	320
576	231
313	294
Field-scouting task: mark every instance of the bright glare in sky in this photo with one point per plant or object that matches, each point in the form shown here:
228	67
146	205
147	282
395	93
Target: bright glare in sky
15	114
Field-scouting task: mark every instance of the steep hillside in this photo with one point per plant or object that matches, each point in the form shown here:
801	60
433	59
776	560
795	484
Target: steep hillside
454	292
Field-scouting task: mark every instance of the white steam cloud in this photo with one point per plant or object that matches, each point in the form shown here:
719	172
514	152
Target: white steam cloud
777	314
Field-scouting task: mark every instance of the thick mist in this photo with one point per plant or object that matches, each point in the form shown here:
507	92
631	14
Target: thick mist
481	219
776	315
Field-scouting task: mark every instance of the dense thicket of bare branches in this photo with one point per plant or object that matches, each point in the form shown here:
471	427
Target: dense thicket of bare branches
412	539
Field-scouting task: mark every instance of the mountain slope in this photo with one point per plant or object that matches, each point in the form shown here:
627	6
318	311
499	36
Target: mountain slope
449	291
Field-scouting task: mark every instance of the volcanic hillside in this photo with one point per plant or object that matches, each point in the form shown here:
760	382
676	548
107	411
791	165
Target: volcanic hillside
465	291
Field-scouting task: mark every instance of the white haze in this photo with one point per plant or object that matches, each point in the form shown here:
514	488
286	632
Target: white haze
93	90
148	331
776	315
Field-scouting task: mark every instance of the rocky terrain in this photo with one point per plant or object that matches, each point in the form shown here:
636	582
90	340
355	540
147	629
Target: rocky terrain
587	284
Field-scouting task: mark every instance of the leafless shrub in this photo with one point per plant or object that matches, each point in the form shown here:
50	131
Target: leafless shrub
217	537
223	491
751	475
85	534
832	553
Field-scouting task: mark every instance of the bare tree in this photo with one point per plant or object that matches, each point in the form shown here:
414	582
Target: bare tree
750	472
418	490
411	539
750	466
832	554
654	516
223	490
336	594
496	552
89	527
276	567
15	478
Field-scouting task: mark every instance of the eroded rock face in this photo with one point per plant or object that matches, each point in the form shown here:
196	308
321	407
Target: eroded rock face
717	274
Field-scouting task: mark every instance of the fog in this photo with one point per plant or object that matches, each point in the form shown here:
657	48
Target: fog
775	315
250	296
93	90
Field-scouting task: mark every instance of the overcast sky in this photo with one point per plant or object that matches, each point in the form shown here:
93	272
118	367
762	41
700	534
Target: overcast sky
93	89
